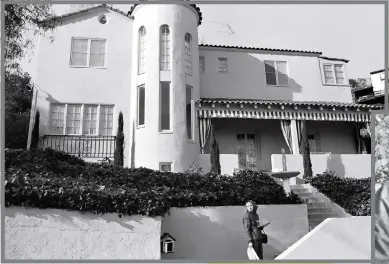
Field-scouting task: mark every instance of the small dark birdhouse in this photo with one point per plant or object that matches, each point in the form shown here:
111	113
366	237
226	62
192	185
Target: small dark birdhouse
167	243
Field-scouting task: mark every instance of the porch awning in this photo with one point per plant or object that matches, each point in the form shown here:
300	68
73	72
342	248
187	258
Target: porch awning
284	110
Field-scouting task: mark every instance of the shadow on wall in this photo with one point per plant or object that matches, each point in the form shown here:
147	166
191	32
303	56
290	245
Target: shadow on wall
252	83
70	218
335	164
217	234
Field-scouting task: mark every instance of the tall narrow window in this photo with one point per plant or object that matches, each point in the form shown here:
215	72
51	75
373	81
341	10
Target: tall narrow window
97	53
165	48
73	122
201	63
90	120
142	50
106	120
141	105
165	106
189	96
188	54
339	74
57	119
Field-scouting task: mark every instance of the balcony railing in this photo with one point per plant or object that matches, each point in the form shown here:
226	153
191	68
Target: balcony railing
371	95
81	146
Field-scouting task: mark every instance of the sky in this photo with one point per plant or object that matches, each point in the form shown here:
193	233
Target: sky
354	31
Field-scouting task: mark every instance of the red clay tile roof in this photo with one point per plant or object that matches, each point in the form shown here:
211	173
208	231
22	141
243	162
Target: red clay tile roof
286	102
256	48
87	10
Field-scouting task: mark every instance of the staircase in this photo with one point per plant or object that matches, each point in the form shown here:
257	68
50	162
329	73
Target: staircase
318	210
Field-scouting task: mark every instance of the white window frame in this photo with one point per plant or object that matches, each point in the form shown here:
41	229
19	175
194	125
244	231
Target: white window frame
220	60
170	130
164	164
65	118
202	64
382	77
167	48
137	107
188	55
142	47
88	53
277	72
334	74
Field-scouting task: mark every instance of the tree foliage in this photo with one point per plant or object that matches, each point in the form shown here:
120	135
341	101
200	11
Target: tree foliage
306	153
382	148
119	150
215	154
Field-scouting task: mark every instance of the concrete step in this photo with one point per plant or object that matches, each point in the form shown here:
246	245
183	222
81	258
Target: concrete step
297	186
305	195
312	199
300	191
315	222
319	210
318	216
316	205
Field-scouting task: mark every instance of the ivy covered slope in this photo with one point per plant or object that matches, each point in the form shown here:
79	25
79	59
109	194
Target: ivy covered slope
51	179
354	195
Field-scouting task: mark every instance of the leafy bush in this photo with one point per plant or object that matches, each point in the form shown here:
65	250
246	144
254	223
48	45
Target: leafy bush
16	129
51	179
354	195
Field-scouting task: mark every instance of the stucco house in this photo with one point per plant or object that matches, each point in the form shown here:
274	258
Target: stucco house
147	63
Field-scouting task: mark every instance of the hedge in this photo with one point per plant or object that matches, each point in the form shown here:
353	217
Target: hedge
52	179
354	195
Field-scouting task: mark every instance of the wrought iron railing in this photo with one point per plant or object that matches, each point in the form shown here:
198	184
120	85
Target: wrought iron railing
81	146
371	95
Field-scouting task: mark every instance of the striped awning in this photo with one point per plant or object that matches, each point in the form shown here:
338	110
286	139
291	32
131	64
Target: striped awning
284	115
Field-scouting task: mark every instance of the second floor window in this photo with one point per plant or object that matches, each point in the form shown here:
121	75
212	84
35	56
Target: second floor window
188	54
88	52
201	63
222	64
334	74
80	119
276	73
165	48
142	51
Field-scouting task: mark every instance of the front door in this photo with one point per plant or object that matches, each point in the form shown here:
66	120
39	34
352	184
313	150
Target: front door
247	151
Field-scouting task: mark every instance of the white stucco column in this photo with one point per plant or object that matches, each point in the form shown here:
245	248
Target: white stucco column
295	142
295	145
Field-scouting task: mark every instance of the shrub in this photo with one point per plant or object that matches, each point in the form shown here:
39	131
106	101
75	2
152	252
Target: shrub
52	179
16	130
35	132
354	195
119	151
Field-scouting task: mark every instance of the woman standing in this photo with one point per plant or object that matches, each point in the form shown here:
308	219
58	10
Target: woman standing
253	229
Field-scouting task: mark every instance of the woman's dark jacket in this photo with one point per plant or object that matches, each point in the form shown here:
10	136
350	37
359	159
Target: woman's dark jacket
250	224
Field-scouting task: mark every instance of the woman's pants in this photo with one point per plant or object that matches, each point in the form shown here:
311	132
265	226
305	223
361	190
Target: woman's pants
257	246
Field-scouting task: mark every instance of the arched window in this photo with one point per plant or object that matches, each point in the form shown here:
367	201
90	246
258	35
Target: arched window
165	47
142	51
188	54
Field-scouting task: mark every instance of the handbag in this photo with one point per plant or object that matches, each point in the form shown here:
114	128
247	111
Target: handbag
264	237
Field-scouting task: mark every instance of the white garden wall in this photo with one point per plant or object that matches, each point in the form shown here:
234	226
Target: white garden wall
58	234
216	233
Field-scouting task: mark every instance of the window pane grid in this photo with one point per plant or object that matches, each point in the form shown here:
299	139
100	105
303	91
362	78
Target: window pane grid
201	63
90	120
142	50
106	120
81	49
79	53
222	65
276	73
73	120
333	74
57	119
165	48
97	53
188	54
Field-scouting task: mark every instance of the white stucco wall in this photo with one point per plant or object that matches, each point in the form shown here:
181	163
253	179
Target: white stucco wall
378	84
356	166
64	84
228	162
58	234
216	233
246	78
352	241
172	146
